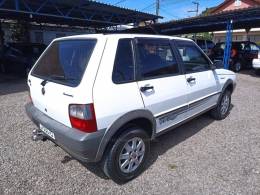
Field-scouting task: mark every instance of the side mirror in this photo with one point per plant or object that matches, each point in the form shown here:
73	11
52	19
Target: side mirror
217	64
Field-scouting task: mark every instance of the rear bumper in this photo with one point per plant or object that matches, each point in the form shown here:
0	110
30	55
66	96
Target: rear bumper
256	63
80	145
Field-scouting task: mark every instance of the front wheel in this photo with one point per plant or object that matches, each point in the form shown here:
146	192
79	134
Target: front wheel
222	109
126	158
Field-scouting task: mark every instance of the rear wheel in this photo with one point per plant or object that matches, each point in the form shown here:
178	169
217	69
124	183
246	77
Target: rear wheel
127	156
223	107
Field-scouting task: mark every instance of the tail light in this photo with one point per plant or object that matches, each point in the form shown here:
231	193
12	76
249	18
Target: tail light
82	117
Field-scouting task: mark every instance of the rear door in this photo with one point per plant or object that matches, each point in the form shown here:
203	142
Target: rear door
55	81
161	82
202	83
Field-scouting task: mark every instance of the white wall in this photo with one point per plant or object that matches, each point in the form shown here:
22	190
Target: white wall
238	35
49	33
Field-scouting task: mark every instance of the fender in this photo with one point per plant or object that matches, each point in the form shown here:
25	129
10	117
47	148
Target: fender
111	131
227	83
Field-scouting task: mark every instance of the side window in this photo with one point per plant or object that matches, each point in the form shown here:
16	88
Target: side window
193	59
155	58
254	47
247	47
222	46
124	65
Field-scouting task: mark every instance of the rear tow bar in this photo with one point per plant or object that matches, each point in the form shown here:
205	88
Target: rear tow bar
38	135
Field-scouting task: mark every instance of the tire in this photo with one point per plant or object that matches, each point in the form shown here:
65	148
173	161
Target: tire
222	109
111	161
257	71
237	66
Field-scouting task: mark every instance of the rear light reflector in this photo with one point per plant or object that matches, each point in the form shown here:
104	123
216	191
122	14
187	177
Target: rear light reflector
82	117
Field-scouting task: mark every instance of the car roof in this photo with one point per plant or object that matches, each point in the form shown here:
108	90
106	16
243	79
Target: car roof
120	36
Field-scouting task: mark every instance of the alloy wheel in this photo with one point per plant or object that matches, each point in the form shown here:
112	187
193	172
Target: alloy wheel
224	104
131	155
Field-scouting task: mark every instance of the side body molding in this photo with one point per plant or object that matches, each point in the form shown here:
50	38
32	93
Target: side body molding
110	131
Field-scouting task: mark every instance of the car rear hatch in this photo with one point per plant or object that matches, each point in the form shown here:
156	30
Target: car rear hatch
57	80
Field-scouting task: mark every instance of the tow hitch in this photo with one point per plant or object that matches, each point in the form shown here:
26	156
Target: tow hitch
38	135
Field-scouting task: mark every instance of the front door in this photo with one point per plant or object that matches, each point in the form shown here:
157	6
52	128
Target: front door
202	82
161	82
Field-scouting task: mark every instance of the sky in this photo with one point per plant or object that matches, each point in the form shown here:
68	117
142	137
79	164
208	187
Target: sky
169	9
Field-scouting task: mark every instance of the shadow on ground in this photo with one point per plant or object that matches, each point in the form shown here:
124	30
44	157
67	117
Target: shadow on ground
250	72
162	144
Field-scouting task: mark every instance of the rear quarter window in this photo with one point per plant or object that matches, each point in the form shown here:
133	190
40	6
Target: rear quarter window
124	64
65	61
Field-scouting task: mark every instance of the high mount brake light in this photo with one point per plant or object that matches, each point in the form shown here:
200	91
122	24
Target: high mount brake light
82	117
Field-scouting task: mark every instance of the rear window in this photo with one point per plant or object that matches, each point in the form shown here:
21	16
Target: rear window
65	61
124	64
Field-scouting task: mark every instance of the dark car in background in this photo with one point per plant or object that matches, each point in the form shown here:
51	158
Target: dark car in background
18	58
205	45
242	54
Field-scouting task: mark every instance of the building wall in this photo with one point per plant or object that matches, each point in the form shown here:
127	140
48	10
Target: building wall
235	4
45	34
49	35
238	35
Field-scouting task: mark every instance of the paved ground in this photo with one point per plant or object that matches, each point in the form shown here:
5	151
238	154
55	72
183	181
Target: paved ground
201	157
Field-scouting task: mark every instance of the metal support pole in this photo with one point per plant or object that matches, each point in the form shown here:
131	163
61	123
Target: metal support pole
17	5
227	51
247	34
157	7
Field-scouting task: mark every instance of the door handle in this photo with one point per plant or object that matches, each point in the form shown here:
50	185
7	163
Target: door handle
190	79
145	88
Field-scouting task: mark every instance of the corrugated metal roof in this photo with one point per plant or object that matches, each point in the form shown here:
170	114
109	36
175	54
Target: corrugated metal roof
72	12
243	18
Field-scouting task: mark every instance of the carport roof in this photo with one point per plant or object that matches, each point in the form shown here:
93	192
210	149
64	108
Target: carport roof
71	12
242	19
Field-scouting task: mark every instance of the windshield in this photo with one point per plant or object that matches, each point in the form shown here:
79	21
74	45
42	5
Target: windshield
65	61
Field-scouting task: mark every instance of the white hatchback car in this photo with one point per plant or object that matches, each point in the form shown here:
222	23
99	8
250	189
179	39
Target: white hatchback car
103	98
